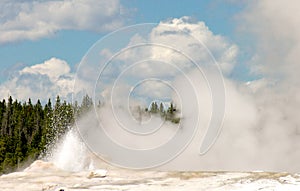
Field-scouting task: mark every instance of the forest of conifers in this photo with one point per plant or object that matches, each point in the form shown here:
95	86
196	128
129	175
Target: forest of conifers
27	129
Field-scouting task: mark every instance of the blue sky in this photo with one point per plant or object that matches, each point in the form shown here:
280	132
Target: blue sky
71	45
38	35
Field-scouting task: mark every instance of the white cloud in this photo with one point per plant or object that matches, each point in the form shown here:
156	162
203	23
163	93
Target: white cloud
40	81
182	35
135	62
53	68
32	20
153	89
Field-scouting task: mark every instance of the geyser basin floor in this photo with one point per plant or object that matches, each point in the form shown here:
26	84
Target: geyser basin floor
45	176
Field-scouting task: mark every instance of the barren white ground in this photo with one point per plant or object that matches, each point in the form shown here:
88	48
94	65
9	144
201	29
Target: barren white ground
45	176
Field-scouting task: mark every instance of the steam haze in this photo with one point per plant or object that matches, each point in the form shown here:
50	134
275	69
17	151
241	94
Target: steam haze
261	127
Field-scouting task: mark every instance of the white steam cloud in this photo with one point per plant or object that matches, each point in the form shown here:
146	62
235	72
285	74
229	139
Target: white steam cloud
261	127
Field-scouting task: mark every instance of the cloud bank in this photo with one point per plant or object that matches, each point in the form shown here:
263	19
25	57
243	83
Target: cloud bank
32	20
41	81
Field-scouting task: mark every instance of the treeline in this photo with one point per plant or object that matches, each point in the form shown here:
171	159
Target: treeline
158	109
168	114
27	129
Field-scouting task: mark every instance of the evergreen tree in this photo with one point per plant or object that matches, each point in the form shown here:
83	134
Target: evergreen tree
161	109
154	107
86	105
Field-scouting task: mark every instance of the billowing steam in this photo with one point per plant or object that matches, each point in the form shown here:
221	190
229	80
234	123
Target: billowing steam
261	127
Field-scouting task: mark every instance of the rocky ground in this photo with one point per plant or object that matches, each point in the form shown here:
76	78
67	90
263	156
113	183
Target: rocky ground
45	176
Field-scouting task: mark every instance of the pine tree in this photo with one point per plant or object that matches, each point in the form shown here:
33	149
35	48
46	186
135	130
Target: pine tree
6	117
86	105
47	131
161	109
154	107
